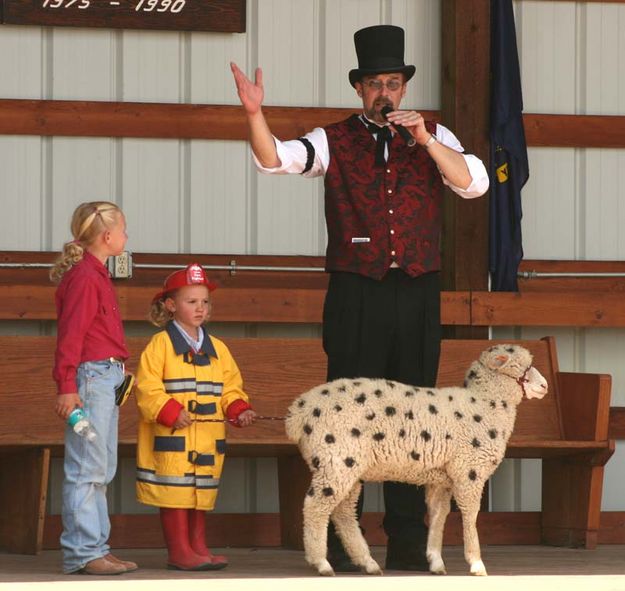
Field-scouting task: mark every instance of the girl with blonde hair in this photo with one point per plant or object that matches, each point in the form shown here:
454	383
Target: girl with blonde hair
89	366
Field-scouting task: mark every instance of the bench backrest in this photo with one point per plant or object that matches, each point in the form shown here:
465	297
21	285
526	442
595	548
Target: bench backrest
275	371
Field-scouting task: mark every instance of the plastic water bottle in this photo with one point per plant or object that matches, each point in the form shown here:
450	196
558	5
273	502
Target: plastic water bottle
79	422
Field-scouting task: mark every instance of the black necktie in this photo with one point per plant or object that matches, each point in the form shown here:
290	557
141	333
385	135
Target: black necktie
383	139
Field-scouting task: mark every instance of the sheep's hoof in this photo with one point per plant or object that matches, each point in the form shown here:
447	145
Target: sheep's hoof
324	568
371	567
478	569
438	568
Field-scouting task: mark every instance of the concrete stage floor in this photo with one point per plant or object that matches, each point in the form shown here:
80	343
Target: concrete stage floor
510	568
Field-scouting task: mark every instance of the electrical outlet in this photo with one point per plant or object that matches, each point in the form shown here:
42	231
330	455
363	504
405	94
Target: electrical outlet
120	267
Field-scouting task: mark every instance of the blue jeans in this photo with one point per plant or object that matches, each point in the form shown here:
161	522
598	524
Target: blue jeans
90	466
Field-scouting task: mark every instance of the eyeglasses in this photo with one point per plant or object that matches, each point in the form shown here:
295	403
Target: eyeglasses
392	84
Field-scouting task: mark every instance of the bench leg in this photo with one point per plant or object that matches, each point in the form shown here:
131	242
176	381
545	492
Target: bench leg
571	501
293	482
23	491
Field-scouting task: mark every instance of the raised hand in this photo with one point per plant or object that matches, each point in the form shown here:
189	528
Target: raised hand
251	94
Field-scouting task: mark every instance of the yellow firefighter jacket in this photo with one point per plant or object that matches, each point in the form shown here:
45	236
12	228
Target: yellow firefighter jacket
182	469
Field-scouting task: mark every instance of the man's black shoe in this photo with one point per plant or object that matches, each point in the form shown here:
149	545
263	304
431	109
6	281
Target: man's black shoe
343	565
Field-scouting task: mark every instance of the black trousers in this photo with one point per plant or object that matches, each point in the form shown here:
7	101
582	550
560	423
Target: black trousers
385	329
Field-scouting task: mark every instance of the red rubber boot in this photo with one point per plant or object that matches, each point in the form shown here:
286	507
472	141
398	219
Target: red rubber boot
197	539
180	555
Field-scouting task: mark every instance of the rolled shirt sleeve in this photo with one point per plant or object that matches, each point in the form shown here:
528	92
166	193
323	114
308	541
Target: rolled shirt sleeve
293	157
477	170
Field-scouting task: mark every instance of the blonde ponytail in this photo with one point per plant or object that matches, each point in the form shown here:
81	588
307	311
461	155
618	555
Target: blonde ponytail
89	220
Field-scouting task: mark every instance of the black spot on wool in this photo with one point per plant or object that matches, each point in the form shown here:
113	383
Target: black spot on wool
342	388
328	491
349	462
471	374
307	429
408	393
355	432
409	415
311	492
378	393
315	463
301	403
433	410
451	398
510	349
492	433
472	400
448	436
390	384
475	442
379	436
472	475
356	383
370	417
415	456
338	408
390	411
317	412
431	393
493	404
402	433
330	438
458	415
325	392
477	418
361	399
504	404
425	436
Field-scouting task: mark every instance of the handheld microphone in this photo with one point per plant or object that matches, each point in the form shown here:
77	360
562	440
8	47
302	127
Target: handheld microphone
401	130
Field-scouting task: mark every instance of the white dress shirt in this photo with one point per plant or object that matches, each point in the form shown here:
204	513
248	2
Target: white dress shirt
293	157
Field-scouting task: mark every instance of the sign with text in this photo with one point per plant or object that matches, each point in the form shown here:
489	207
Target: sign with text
226	16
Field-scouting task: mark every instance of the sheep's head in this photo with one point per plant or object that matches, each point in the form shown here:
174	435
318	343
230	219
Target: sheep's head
515	362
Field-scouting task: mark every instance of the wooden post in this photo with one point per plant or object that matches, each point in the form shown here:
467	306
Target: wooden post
23	491
465	111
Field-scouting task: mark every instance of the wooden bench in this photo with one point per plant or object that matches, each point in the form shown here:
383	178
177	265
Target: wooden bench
568	429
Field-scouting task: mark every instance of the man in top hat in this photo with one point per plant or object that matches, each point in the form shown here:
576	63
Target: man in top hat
383	208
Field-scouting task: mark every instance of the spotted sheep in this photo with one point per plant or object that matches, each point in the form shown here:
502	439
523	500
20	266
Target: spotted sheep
449	439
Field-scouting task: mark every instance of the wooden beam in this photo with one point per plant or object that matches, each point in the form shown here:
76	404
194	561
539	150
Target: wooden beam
262	305
564	308
575	131
157	120
227	122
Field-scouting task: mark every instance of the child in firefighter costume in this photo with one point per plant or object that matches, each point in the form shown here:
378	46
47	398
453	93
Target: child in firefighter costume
185	377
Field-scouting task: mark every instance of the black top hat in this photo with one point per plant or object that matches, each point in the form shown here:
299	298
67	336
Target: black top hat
380	50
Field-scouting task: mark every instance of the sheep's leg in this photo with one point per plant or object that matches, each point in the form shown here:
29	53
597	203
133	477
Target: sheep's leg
316	519
344	518
468	500
438	500
325	494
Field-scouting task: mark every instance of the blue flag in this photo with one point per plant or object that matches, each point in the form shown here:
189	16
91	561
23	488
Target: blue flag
509	169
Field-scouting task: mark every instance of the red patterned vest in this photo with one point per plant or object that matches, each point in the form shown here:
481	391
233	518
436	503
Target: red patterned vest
377	215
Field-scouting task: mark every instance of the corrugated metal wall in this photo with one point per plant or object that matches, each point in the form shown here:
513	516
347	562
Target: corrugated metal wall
572	62
205	196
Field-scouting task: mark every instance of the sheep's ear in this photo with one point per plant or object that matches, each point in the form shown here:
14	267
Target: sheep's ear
498	361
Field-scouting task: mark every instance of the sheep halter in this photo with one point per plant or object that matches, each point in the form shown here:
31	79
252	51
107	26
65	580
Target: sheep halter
523	380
